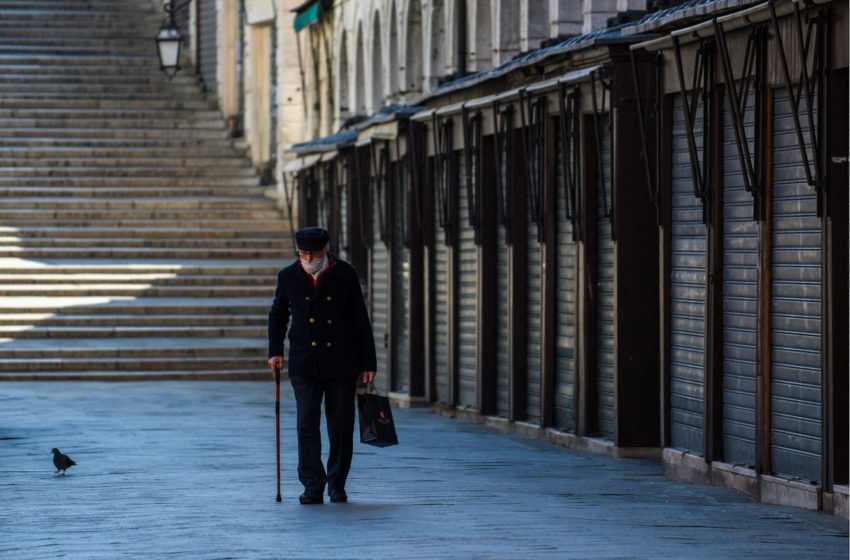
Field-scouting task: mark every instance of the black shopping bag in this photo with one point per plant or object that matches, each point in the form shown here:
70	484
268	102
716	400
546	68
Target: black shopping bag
376	419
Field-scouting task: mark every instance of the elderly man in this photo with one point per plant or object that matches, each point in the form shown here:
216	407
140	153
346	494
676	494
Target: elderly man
330	347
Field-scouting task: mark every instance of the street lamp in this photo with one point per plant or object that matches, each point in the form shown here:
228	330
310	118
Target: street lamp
169	39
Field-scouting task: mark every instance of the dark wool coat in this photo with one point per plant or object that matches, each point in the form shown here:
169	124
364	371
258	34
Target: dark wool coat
330	335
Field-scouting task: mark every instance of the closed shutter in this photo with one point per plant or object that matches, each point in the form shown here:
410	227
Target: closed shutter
687	293
343	186
566	285
401	291
503	334
740	304
467	289
605	360
379	290
208	46
796	307
440	310
534	310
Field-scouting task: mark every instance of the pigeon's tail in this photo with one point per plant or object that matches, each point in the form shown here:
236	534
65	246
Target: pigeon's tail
71	462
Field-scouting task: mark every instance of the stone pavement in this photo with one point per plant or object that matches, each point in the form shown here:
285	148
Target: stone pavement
186	470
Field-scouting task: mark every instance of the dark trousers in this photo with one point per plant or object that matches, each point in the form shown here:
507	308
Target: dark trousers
339	414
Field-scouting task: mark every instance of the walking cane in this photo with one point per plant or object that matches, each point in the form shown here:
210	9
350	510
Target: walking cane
277	422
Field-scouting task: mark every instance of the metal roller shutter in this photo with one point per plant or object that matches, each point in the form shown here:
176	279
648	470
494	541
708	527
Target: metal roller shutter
566	327
440	310
401	293
503	335
379	288
605	360
342	250
687	293
796	307
467	290
503	369
534	310
740	303
208	46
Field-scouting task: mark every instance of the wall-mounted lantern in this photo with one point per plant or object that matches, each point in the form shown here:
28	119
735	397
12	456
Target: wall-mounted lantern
169	39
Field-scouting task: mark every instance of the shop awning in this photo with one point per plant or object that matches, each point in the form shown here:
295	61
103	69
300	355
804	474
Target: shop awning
307	14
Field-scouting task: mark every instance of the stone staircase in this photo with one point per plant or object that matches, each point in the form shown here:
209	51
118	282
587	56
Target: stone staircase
135	239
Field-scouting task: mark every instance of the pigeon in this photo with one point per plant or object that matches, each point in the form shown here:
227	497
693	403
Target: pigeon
61	461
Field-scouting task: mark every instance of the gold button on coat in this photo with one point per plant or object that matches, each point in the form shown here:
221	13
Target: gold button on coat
330	322
314	344
306	298
328	298
328	344
312	319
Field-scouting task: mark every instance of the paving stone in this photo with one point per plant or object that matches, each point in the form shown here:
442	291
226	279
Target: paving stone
187	470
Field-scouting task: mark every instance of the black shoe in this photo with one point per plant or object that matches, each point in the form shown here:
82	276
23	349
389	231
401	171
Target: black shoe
339	497
310	499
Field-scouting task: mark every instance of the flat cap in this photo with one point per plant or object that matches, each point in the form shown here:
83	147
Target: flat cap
312	238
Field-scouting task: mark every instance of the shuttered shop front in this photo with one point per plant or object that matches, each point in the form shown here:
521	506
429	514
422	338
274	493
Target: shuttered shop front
503	334
687	293
534	325
467	290
740	302
400	307
379	281
796	308
440	305
567	285
605	284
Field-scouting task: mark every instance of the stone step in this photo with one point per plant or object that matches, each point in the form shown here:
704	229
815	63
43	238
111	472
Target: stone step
126	305
43	320
140	61
181	233
120	133
119	192
151	347
168	144
139	214
267	242
249	373
279	225
128	182
148	243
109	290
40	331
101	152
146	172
231	161
94	68
165	105
171	203
73	4
174	364
199	267
60	77
163	119
137	252
58	40
133	91
21	280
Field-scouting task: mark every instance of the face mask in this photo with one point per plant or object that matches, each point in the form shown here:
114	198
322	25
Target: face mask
312	267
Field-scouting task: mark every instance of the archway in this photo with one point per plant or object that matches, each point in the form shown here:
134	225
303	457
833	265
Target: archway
413	49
